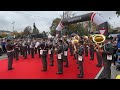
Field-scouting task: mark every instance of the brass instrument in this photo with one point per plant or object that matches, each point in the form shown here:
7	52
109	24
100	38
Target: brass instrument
64	39
85	37
99	38
75	39
91	37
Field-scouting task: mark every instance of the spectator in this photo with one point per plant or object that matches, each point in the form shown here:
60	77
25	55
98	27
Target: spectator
3	44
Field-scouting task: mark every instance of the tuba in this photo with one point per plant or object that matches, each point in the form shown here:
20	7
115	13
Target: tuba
99	38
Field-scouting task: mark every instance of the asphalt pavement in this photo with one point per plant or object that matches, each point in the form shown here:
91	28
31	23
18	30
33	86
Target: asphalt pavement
4	56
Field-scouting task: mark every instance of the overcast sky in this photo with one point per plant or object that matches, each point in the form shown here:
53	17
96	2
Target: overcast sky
43	19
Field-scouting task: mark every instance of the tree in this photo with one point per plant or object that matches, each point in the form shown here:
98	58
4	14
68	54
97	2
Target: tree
67	14
68	29
53	26
21	33
4	35
35	30
27	30
1	36
44	34
75	28
118	13
47	33
81	30
15	33
110	29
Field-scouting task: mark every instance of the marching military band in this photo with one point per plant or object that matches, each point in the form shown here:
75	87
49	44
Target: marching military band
79	48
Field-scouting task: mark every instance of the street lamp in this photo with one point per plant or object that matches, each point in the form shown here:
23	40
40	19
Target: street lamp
13	25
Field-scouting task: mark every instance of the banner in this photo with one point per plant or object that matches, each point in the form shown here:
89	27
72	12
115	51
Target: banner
59	27
97	19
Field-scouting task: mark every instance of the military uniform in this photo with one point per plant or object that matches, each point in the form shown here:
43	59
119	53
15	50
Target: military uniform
10	52
71	48
60	57
86	47
36	44
91	45
28	47
13	42
51	52
80	59
43	53
39	48
24	49
75	50
0	50
36	47
32	46
99	56
21	52
16	50
107	60
65	54
115	50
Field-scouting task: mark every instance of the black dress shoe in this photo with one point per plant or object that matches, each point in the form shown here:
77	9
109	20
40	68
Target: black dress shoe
99	65
80	76
59	73
43	70
65	65
102	78
76	62
51	64
10	68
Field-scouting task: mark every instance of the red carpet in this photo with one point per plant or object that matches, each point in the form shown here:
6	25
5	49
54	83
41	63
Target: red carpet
31	69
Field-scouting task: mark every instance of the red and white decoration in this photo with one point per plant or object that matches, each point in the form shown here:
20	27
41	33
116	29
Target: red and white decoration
102	31
59	27
97	19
